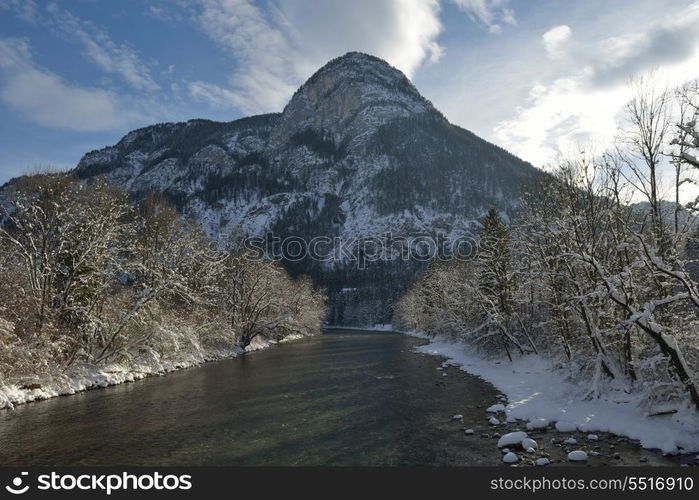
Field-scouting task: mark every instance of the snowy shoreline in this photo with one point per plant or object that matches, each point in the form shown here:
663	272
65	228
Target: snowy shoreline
94	377
535	390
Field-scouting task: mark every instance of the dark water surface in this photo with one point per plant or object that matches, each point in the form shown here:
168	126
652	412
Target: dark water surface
343	398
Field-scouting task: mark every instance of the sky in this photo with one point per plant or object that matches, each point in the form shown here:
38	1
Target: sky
539	78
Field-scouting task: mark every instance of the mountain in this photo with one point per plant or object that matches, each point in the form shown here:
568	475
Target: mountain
357	152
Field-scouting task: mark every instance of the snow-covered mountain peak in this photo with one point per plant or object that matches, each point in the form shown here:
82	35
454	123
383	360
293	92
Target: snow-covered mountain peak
351	96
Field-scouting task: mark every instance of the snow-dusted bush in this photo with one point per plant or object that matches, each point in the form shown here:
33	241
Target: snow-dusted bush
90	278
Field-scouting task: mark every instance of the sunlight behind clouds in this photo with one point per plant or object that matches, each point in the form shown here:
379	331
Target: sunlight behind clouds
583	106
555	40
277	49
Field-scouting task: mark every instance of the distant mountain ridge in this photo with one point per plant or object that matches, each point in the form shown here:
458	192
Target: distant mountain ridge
356	152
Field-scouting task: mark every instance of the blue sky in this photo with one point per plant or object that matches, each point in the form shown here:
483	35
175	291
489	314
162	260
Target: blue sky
537	77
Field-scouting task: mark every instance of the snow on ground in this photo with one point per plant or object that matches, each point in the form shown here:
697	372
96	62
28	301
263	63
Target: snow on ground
95	377
536	391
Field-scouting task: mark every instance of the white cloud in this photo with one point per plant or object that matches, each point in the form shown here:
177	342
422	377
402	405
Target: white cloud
278	47
491	13
213	94
42	97
555	40
23	9
581	105
100	49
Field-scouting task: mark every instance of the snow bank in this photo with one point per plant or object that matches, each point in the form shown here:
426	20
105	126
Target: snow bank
94	377
536	391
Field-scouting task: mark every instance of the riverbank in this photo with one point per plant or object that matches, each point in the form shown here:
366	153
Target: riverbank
88	377
536	391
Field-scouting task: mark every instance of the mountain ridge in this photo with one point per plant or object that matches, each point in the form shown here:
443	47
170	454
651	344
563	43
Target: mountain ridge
356	152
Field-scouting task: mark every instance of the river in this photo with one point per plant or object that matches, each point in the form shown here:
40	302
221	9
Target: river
343	398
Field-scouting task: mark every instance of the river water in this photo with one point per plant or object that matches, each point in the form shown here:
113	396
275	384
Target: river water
343	398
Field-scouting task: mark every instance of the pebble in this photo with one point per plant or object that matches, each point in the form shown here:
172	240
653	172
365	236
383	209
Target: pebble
593	437
542	461
577	456
468	432
458	416
510	458
493	421
570	441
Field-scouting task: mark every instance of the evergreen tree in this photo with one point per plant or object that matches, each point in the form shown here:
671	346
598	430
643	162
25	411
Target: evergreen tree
494	262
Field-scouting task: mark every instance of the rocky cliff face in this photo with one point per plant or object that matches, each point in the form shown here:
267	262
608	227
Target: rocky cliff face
357	152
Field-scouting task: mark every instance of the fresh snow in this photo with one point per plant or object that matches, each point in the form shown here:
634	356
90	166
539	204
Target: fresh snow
512	439
496	408
529	443
537	391
537	423
564	426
